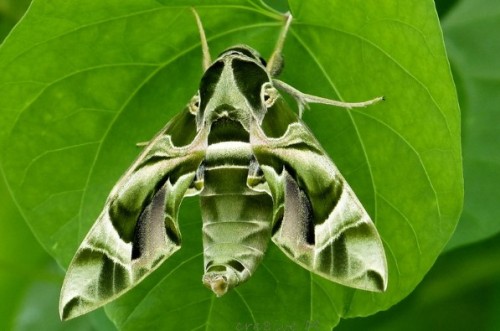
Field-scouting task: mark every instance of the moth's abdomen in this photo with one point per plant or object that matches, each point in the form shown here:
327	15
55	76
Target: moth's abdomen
236	218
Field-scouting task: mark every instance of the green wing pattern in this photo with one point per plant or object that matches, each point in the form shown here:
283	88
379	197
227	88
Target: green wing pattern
137	229
318	221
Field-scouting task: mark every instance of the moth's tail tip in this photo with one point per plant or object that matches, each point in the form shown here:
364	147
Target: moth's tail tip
217	283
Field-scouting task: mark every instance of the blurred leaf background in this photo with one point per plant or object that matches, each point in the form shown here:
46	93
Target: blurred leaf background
462	291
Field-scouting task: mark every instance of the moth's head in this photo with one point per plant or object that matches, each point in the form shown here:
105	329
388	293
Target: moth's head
235	87
243	51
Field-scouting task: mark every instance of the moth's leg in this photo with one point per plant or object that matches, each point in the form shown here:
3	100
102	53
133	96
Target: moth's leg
303	99
204	44
275	63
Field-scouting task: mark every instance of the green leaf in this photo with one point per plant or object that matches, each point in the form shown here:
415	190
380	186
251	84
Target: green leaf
473	45
15	273
27	272
29	281
82	84
10	12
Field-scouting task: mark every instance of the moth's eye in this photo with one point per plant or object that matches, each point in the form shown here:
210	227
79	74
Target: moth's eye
269	94
194	104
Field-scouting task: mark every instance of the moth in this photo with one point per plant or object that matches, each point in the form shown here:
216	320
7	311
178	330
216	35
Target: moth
261	175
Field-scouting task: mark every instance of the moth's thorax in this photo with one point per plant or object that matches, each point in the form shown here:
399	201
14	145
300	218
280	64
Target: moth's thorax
228	153
231	89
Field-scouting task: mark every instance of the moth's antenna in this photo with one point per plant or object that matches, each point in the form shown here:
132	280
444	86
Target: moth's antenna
276	61
204	45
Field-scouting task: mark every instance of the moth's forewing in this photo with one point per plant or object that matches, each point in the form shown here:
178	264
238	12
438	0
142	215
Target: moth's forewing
318	220
137	230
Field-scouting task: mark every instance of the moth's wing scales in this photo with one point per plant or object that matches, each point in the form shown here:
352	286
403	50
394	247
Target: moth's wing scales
137	230
318	220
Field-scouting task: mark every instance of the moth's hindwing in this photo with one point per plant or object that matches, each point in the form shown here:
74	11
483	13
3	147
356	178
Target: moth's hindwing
318	221
137	230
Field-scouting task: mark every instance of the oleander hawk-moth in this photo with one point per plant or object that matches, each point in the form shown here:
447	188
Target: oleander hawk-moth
261	175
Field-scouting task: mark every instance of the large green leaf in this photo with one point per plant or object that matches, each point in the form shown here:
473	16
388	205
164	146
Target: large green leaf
82	83
473	42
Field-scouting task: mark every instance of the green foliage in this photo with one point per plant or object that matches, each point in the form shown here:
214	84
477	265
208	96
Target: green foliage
81	84
462	290
473	45
10	12
30	281
460	293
